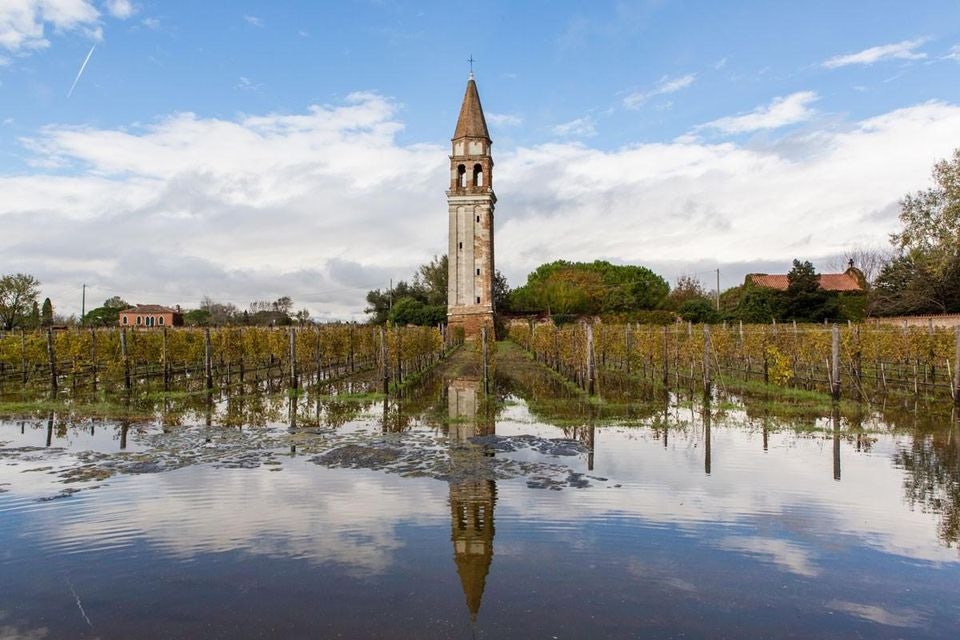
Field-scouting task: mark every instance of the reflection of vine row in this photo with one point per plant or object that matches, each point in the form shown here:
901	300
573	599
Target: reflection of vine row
114	358
873	359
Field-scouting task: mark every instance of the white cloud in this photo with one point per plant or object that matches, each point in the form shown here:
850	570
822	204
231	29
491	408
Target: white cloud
666	85
151	23
245	84
504	119
254	21
780	112
23	22
954	53
326	204
906	50
583	127
121	9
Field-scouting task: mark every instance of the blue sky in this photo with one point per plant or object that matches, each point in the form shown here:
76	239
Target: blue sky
597	91
548	63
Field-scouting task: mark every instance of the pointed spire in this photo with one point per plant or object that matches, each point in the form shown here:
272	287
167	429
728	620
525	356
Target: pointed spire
471	123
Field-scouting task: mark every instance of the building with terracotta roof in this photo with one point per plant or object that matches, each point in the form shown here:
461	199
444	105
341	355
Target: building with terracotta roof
850	281
150	316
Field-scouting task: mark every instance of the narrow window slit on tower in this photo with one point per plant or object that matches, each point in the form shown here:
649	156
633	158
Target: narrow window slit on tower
461	245
478	299
478	218
478	271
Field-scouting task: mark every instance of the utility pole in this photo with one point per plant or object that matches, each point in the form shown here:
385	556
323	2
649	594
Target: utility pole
83	303
391	294
718	289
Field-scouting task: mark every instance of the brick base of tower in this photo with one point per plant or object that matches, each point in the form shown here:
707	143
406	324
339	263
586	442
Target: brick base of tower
472	323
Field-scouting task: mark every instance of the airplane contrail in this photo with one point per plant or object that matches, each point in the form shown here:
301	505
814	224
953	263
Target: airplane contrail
80	73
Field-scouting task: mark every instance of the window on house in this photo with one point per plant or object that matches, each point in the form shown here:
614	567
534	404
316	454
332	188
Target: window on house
124	319
139	320
161	321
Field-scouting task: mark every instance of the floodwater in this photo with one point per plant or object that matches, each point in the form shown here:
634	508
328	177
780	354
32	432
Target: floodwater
530	513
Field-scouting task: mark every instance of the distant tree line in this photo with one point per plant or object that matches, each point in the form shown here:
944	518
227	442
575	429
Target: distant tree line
211	313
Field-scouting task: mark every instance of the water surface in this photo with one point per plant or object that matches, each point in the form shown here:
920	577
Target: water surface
528	514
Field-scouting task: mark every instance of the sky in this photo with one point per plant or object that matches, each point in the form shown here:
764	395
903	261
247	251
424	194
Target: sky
168	150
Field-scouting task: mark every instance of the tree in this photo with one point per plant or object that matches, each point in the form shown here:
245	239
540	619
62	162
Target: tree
412	311
698	310
867	258
804	299
589	288
197	318
907	286
501	292
931	219
46	313
219	313
431	280
18	293
687	288
108	314
759	304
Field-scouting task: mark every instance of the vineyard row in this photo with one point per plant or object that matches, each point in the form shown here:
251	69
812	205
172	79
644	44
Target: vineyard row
861	360
123	359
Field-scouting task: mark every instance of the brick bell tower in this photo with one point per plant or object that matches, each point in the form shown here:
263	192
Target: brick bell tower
470	201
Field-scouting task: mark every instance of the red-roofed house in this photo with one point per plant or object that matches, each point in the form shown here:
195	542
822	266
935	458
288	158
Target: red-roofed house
150	315
850	281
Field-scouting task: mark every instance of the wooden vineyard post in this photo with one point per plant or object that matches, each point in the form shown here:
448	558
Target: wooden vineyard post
486	364
23	356
320	359
126	359
835	417
707	352
384	365
207	358
666	358
835	364
956	367
93	355
166	362
626	347
292	337
399	357
51	355
591	362
352	366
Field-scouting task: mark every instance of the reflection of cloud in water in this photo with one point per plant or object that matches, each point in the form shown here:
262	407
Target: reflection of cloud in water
321	516
792	484
787	555
11	631
880	615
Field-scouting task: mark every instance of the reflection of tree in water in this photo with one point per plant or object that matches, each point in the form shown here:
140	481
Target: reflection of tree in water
933	479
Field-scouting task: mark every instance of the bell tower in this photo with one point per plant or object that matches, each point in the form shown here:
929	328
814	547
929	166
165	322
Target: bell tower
471	201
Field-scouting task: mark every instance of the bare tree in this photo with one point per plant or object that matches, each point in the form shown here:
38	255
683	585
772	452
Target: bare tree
870	259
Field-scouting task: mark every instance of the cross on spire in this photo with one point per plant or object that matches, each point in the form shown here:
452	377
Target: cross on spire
471	61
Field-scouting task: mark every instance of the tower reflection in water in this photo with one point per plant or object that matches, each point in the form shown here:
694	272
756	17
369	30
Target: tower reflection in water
473	491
